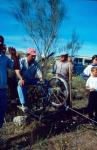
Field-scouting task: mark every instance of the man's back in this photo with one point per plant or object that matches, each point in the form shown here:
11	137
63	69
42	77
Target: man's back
5	63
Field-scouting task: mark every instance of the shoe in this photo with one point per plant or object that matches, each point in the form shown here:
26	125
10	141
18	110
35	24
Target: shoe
23	108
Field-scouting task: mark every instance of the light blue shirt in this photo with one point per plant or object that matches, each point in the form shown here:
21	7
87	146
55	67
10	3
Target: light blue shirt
5	63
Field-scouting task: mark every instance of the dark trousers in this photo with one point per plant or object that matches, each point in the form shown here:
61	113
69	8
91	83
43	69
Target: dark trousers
92	104
12	86
3	105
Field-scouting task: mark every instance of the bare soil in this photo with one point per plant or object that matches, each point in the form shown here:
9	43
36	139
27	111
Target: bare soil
59	129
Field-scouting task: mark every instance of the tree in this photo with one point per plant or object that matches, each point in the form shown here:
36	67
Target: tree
74	44
41	19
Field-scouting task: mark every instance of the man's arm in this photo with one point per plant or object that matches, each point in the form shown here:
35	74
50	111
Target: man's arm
17	70
87	72
18	74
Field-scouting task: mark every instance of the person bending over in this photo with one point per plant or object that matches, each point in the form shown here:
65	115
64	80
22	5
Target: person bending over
28	74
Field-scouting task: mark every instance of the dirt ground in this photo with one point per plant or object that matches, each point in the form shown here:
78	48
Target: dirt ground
58	130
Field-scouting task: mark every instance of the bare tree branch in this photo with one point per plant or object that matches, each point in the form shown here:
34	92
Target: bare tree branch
74	44
41	19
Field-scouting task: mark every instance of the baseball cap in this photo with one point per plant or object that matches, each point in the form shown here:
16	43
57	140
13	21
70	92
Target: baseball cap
31	51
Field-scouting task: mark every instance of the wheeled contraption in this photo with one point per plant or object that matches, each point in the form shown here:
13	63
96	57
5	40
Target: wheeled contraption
50	93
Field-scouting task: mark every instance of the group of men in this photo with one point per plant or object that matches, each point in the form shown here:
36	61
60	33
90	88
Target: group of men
27	71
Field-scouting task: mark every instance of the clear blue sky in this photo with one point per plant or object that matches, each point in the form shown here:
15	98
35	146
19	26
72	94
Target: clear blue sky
82	16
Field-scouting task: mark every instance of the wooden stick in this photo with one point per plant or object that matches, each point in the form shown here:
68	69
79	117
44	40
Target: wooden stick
70	83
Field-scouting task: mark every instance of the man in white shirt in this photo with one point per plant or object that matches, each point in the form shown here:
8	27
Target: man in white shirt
87	70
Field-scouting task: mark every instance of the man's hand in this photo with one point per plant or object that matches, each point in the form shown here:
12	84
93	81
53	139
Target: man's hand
41	81
21	82
18	74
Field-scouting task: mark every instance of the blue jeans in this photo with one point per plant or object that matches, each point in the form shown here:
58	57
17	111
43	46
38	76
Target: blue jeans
3	105
22	91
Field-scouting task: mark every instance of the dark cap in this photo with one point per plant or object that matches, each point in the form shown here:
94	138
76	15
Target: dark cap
2	39
93	57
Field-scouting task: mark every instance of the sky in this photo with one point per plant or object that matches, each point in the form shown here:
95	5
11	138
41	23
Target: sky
81	17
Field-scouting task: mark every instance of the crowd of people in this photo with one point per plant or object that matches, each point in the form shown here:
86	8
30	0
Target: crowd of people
28	71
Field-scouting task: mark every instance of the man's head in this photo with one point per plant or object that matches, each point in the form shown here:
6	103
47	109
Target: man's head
12	52
1	40
2	46
31	54
94	59
63	56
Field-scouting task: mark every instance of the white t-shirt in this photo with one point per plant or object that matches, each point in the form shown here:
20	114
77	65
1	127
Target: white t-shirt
92	82
87	70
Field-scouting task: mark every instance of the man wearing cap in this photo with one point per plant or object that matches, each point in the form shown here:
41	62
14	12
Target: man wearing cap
63	68
28	74
87	71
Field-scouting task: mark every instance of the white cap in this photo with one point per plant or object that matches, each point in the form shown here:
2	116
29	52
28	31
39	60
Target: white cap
63	53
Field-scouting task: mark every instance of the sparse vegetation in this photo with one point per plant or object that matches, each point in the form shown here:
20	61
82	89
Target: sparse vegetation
58	132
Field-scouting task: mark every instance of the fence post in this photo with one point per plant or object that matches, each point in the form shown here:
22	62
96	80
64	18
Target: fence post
70	83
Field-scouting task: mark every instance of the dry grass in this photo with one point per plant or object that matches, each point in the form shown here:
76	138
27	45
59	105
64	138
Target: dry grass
36	136
79	140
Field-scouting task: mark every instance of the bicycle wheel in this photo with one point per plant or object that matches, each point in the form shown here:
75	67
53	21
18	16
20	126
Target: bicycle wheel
58	91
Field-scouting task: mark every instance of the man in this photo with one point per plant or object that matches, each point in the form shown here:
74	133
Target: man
87	71
28	74
5	63
12	80
63	68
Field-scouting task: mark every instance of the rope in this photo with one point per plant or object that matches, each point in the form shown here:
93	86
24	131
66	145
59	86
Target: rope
80	114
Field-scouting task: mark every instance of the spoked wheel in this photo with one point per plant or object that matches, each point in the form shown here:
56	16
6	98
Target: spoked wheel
58	91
